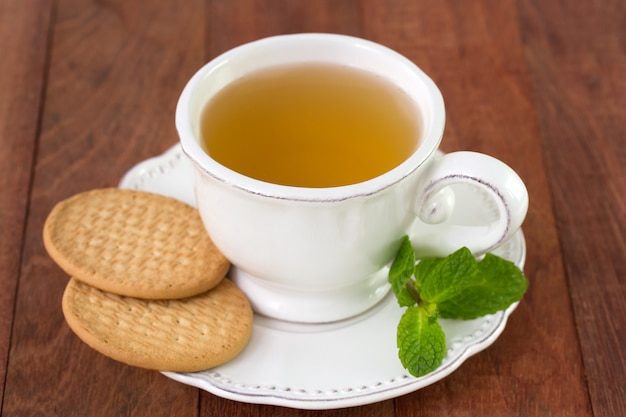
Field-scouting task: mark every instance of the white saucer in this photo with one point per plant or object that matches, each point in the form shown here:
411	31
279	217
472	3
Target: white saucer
349	363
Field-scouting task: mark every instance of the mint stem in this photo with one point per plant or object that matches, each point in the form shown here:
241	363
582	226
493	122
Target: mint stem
410	287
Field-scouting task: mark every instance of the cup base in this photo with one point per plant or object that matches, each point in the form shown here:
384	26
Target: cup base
315	306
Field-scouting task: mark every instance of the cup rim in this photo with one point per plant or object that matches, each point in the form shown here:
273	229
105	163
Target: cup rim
203	162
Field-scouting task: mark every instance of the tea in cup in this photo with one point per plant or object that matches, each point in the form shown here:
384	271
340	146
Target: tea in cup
314	154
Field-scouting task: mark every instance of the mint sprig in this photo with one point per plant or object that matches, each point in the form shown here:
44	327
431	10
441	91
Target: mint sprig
454	287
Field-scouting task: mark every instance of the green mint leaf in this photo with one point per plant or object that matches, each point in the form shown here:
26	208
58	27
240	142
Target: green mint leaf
447	277
421	341
496	285
401	272
424	269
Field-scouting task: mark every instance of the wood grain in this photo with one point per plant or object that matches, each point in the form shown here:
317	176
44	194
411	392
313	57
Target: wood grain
116	70
577	56
234	23
24	29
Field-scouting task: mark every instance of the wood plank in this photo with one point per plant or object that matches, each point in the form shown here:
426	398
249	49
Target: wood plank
24	30
473	51
212	406
577	57
116	70
234	23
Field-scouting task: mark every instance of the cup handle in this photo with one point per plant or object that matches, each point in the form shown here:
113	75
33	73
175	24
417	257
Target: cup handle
437	231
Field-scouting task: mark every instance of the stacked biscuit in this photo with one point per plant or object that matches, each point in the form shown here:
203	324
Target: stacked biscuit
148	286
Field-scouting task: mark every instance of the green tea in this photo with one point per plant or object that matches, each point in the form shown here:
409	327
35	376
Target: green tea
310	125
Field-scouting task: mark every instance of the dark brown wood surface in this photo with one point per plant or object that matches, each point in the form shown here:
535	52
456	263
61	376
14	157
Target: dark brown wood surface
88	89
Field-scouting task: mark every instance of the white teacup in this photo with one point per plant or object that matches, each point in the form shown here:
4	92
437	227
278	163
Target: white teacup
320	254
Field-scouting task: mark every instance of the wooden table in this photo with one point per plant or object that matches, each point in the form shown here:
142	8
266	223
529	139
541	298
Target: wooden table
88	89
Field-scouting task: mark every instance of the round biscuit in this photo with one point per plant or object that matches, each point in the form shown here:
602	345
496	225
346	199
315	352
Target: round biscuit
184	335
134	243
